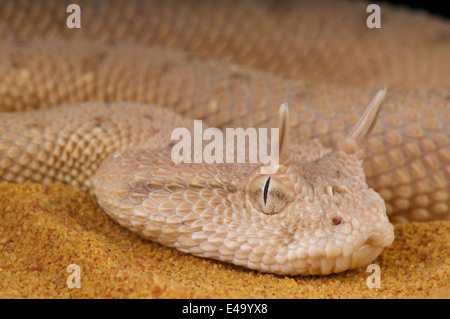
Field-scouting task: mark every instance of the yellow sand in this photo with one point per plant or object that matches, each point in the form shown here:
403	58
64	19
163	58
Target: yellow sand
44	229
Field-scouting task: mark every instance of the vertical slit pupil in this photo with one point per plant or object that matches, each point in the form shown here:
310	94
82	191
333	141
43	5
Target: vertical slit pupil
266	190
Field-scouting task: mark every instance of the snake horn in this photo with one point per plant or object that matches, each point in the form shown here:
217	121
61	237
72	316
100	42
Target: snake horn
355	139
283	126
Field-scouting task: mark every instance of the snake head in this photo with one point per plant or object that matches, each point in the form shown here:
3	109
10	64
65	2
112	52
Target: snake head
322	216
314	215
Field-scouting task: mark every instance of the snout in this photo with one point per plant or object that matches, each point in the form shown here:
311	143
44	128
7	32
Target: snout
372	245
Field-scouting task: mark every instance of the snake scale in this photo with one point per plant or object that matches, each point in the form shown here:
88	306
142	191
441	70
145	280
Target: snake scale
94	107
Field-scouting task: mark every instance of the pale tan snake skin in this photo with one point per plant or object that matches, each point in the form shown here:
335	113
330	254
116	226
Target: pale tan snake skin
320	58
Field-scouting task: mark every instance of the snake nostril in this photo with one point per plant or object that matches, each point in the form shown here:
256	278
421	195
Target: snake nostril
336	220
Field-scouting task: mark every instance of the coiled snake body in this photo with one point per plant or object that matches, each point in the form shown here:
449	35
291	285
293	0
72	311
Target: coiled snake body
118	100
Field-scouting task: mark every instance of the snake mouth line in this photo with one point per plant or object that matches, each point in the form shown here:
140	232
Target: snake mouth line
362	255
319	266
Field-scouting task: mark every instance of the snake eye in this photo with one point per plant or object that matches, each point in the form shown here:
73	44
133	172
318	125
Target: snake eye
268	195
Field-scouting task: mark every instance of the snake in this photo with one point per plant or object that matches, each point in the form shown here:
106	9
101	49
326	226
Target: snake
95	107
